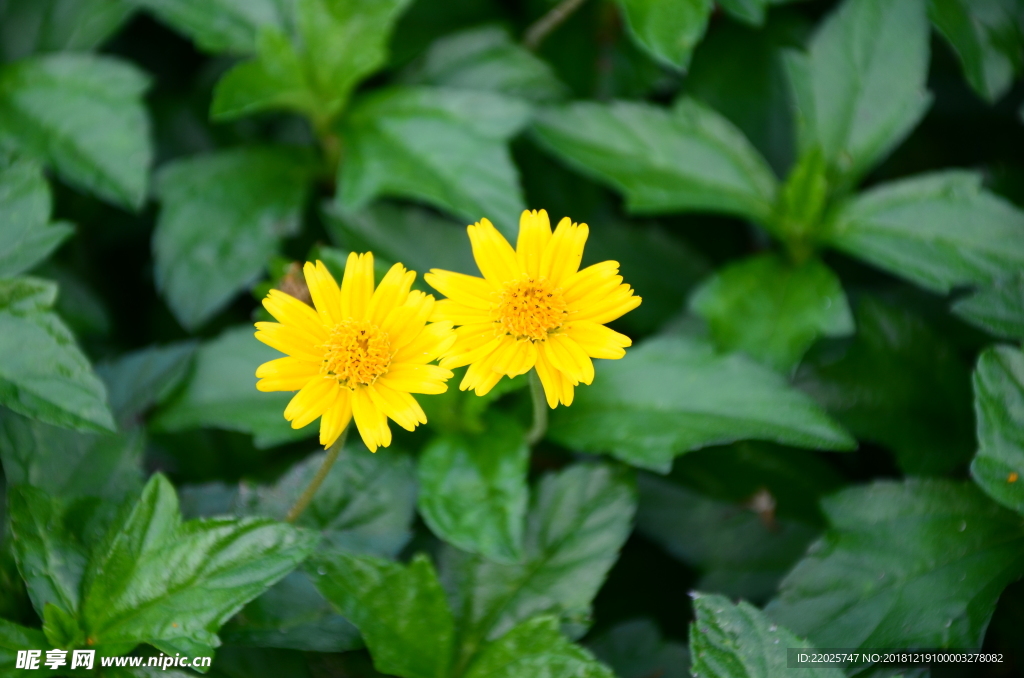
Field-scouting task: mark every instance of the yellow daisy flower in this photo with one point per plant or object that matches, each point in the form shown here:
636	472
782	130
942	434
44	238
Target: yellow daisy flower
532	308
360	353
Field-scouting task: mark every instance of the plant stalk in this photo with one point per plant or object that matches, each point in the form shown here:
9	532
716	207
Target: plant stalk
540	410
554	18
321	474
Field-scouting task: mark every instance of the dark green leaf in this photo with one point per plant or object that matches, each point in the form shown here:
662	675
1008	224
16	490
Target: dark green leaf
998	308
899	384
918	563
473	491
155	578
578	521
366	504
414	236
141	379
67	463
674	394
663	160
773	310
26	234
220	25
738	641
83	115
988	36
337	44
223	217
221	392
485	58
32	26
43	374
445	147
14	637
400	610
740	553
667	30
635	649
536	648
999	407
860	88
938	230
748	11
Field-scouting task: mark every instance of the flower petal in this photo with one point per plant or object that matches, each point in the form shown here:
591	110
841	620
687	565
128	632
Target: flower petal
557	387
564	252
567	356
398	405
290	311
357	286
465	289
288	340
618	303
515	358
460	314
432	341
286	374
597	340
323	289
427	379
494	256
371	422
534	234
312	401
336	418
393	291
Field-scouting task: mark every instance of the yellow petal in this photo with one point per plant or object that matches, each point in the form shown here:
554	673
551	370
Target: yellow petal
323	288
465	289
494	256
534	234
453	359
567	356
426	379
460	314
336	418
398	405
557	387
583	282
393	291
370	421
481	375
564	252
432	342
288	340
312	401
285	374
615	305
597	340
357	285
290	311
515	358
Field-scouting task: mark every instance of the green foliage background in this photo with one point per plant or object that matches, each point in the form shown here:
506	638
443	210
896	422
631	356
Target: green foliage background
822	414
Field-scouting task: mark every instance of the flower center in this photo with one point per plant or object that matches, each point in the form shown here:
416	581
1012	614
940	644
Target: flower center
356	353
531	309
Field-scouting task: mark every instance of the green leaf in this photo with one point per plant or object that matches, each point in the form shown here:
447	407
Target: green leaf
141	379
32	26
999	407
83	115
414	236
860	88
221	392
998	308
337	44
663	160
937	230
366	504
635	649
446	147
220	25
486	58
918	563
67	463
899	384
738	641
473	491
43	374
987	36
674	394
578	520
667	30
26	234
773	310
223	216
738	551
155	578
536	648
400	610
14	637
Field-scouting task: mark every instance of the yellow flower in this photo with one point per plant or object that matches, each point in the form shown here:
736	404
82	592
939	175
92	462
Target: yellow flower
532	308
361	353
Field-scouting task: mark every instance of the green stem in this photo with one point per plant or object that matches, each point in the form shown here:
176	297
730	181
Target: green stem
307	496
540	410
539	30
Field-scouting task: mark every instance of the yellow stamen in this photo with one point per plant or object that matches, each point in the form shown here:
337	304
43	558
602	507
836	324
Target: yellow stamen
356	353
531	309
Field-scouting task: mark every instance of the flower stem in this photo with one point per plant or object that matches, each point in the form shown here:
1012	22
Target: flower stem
540	410
539	30
307	496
